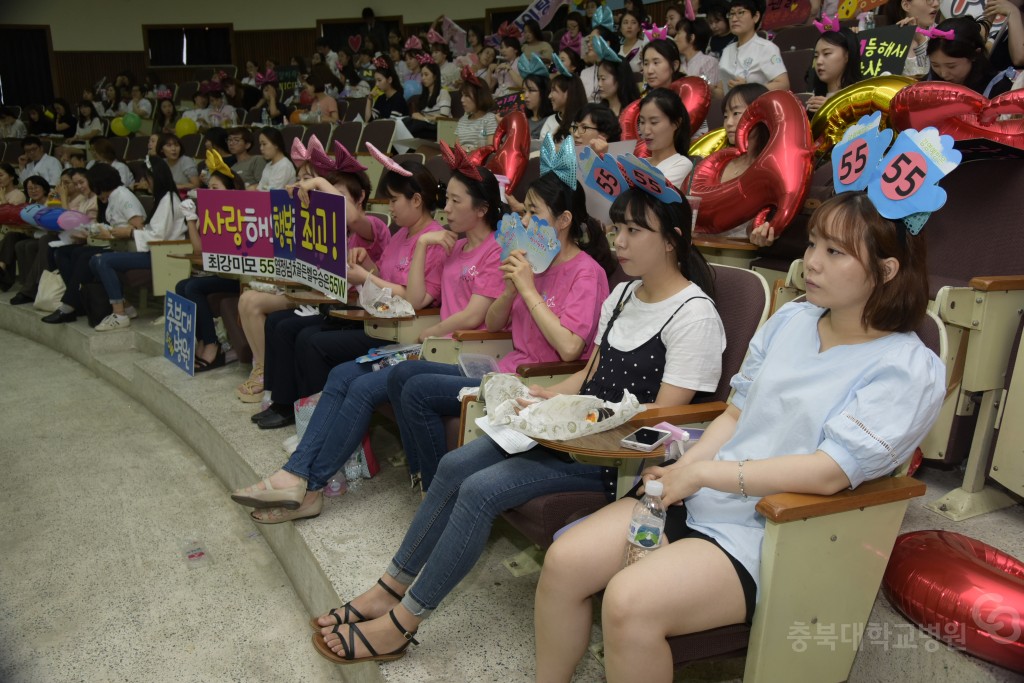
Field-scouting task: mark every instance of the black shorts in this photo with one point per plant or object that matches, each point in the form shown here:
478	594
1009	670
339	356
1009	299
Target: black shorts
676	529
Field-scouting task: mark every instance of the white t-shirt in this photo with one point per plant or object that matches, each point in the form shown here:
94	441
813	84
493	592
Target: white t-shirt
636	62
167	223
676	168
277	175
47	167
589	78
694	339
127	179
122	206
550	126
93	124
756	61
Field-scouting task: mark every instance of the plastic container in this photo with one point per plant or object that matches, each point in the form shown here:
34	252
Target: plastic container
476	365
647	524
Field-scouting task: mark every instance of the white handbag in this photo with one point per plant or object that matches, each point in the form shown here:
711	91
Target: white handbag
51	289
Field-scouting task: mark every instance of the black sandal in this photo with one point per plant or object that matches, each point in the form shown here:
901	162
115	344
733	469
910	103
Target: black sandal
353	630
345	617
204	365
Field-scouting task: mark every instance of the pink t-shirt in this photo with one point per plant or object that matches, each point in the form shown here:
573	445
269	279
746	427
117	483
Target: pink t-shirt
381	237
397	257
574	291
467	273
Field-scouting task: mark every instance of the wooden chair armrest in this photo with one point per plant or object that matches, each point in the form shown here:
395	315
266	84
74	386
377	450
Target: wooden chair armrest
383	201
360	315
553	368
165	243
309	298
787	507
998	283
722	243
695	412
480	335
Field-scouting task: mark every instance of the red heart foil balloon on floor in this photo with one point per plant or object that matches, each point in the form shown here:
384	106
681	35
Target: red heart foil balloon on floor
777	181
959	112
696	96
512	142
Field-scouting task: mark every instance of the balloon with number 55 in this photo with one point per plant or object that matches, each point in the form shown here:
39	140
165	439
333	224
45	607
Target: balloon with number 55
775	184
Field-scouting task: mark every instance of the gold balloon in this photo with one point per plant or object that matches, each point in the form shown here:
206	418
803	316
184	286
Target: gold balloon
849	104
710	143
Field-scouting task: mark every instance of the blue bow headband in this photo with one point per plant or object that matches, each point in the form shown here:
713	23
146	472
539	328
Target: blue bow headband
560	161
603	18
604	51
560	67
532	66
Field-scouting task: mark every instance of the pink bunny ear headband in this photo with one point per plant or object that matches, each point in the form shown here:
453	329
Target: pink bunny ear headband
826	25
387	162
343	161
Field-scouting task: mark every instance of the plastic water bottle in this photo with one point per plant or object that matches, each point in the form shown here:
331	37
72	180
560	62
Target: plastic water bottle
336	485
265	117
647	524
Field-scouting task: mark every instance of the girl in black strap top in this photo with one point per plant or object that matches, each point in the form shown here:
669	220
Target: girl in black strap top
660	338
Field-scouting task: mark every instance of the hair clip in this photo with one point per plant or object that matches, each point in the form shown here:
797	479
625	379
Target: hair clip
435	38
509	30
903	183
423	58
387	162
266	78
656	33
381	64
560	66
936	33
532	66
413	43
215	163
604	51
603	18
561	161
468	76
459	162
826	25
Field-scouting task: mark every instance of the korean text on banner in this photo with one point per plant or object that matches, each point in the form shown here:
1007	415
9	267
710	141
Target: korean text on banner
180	332
282	217
235	231
320	244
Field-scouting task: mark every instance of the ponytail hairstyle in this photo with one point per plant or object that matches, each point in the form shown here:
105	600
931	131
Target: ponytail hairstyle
673	222
483	192
845	40
422	182
543	85
584	231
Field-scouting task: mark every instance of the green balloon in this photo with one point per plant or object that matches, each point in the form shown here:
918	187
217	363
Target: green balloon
131	121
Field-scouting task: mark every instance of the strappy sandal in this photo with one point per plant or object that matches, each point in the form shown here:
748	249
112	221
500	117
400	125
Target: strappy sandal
345	617
251	390
203	365
350	647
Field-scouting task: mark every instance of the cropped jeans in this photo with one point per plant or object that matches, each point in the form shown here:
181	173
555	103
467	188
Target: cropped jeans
105	266
473	485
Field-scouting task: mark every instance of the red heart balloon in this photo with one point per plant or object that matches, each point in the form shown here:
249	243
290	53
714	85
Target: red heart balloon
354	43
512	142
696	96
774	185
959	112
10	214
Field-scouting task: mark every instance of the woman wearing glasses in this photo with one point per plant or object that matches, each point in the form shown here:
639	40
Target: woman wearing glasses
751	59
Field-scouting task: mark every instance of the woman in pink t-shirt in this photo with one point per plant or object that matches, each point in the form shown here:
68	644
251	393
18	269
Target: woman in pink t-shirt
553	316
470	281
306	349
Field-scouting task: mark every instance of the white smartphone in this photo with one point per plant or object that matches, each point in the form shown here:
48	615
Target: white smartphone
645	439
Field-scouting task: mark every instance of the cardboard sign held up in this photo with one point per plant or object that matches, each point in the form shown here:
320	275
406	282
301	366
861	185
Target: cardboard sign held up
884	50
779	13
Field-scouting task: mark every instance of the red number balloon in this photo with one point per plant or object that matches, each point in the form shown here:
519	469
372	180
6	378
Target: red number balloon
696	96
512	142
959	112
777	181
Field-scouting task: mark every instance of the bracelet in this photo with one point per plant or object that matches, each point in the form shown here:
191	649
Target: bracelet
535	306
743	490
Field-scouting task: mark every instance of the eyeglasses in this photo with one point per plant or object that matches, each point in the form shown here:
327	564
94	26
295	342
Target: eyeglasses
581	127
737	13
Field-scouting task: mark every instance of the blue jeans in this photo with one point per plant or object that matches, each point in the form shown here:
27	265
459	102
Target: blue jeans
473	485
196	289
353	391
107	265
422	394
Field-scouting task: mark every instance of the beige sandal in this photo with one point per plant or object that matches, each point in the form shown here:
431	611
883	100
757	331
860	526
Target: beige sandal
276	515
251	390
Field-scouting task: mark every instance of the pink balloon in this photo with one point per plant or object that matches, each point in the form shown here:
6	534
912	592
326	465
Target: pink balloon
72	220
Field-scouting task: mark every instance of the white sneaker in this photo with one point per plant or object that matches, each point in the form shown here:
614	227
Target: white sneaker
131	312
113	322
